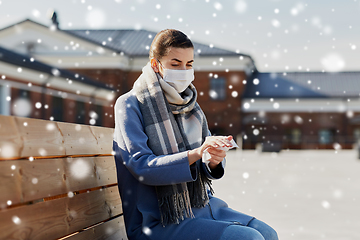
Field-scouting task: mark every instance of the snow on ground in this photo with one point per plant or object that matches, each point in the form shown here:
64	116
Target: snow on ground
302	194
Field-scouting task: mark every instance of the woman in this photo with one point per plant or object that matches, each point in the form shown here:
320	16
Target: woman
160	136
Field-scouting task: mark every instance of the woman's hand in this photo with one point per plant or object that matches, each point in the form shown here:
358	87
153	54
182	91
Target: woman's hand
217	156
211	144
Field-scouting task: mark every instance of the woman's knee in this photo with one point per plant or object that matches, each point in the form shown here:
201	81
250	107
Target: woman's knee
266	231
238	232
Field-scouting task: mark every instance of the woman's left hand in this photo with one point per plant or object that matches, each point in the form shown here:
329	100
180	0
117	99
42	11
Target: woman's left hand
211	145
217	156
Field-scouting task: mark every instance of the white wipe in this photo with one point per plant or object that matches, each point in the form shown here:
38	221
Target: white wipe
206	155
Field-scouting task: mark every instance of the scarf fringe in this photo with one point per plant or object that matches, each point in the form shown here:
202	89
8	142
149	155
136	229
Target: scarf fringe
198	191
174	208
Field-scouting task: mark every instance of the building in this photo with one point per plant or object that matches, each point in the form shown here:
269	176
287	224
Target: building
302	110
30	88
115	58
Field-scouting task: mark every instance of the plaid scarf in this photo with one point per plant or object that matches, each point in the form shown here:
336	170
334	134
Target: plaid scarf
171	129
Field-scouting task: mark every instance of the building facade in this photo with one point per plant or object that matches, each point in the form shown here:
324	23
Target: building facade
302	110
30	88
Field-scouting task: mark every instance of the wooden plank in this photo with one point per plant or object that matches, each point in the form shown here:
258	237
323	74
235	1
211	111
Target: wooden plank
90	172
105	170
10	183
40	137
110	230
10	139
78	139
24	180
104	138
26	137
42	178
60	217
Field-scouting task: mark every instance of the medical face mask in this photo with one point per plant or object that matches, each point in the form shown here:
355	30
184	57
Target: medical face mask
178	79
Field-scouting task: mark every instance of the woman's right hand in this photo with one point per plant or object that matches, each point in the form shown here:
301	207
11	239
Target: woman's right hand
211	142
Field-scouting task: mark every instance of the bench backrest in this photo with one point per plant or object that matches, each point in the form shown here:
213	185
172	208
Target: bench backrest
57	181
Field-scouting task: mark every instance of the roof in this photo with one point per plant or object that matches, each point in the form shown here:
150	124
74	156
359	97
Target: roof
30	63
137	42
132	42
304	85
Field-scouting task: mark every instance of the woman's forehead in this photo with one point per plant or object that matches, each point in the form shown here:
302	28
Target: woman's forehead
183	54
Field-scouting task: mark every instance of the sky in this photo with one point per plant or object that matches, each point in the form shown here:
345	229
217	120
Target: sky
280	35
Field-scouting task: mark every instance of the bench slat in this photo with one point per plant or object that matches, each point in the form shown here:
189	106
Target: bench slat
40	137
23	180
10	187
104	137
60	217
78	139
110	230
25	137
10	139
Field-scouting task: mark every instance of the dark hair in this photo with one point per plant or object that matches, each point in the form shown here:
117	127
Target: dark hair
165	40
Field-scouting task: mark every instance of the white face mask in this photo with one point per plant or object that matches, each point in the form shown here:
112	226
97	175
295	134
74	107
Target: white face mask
178	79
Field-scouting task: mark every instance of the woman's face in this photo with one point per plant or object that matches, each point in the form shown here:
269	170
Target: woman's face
178	59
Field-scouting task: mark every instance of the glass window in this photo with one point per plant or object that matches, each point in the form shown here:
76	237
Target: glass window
326	136
218	88
357	134
99	112
96	115
22	106
295	136
57	109
80	112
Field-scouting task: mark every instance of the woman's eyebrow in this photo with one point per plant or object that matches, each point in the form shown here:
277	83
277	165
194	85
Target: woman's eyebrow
175	59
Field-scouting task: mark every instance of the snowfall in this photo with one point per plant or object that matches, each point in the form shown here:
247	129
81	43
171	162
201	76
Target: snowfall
303	194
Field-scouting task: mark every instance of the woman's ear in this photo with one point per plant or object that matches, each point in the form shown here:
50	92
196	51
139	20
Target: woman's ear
154	65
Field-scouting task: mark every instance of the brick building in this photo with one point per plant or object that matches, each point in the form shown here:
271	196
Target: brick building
29	88
302	110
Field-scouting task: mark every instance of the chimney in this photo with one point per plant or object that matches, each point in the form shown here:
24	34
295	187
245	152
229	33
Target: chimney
54	20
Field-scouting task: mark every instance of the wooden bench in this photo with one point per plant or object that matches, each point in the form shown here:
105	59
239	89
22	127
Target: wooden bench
57	181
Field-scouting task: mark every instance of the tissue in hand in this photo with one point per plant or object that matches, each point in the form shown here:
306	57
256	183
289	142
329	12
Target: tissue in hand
206	155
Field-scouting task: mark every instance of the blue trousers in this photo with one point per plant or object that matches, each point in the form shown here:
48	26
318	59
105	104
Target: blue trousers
255	230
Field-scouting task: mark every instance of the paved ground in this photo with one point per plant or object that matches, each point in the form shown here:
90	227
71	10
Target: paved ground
304	195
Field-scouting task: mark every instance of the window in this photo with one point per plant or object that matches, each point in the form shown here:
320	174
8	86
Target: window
80	112
99	112
326	136
357	134
295	136
218	88
24	94
22	106
96	115
57	109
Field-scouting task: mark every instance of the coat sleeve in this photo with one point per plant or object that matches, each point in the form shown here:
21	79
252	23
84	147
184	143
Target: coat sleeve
216	173
135	154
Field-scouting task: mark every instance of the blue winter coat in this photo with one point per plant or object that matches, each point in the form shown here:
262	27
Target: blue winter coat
139	171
